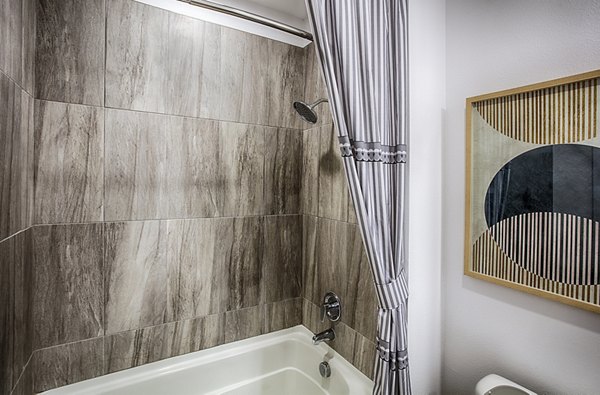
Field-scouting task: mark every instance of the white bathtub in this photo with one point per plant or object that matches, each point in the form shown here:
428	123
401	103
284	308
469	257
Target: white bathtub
283	363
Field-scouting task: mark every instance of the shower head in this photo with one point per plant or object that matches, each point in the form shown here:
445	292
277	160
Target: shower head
306	110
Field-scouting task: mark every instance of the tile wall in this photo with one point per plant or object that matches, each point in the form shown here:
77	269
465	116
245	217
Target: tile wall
17	38
158	195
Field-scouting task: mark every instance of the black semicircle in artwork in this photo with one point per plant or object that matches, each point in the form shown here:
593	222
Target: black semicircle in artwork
563	178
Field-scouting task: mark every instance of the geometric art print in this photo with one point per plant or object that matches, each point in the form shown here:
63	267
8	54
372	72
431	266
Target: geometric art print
533	189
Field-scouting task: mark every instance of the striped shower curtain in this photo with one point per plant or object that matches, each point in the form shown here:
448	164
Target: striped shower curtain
362	47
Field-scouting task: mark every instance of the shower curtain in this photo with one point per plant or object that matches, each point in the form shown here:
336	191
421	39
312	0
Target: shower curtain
362	47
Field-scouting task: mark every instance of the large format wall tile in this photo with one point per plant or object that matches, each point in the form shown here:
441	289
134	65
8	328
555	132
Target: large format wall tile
67	363
282	258
68	163
283	166
334	197
11	34
16	113
214	168
68	295
24	385
28	46
125	350
136	56
314	87
69	62
22	293
135	165
324	187
134	348
334	260
17	41
158	61
15	313
283	314
135	278
214	265
161	166
285	83
309	191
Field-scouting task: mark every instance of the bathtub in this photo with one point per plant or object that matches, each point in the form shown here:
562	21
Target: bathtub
283	363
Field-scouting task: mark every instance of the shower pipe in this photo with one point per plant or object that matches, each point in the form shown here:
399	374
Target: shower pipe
224	9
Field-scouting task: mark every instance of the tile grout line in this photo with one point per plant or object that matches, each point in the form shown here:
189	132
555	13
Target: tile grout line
114	221
260	305
107	107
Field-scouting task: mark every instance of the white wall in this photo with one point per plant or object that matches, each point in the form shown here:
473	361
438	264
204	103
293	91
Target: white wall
547	346
427	94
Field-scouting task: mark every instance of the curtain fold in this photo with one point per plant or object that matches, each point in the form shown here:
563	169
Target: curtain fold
362	47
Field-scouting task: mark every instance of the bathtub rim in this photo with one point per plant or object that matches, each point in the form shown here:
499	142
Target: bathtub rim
298	333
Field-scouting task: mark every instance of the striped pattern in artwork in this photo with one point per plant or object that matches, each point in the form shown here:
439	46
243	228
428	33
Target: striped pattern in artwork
491	259
556	115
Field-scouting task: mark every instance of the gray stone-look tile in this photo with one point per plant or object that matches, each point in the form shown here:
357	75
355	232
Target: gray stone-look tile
134	348
22	291
125	350
11	36
17	41
310	280
213	168
309	201
69	61
24	385
7	335
137	56
334	260
186	45
283	165
198	334
15	312
15	129
28	46
285	82
135	275
214	265
282	258
244	323
68	163
161	166
364	355
135	165
334	198
315	88
68	294
211	71
67	364
283	314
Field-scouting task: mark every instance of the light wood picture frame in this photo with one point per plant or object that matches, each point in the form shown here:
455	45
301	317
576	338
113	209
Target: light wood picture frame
532	219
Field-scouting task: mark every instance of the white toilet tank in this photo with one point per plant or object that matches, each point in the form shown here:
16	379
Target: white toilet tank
492	384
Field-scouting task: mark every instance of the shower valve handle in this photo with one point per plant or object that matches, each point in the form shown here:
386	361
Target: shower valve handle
331	307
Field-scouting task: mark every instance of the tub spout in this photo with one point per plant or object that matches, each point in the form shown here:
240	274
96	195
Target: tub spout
325	336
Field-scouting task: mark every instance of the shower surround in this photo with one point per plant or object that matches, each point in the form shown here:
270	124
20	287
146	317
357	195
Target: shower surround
159	194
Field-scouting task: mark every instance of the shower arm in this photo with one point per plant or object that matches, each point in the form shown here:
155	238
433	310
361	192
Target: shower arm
317	103
249	16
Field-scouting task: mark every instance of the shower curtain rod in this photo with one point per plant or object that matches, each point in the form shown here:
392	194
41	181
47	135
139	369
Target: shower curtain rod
224	9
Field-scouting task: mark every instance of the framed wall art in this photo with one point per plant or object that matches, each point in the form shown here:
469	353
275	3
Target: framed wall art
533	189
